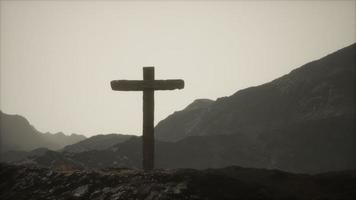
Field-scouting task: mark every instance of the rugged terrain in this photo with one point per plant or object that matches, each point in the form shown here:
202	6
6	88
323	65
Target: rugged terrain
32	182
319	90
303	122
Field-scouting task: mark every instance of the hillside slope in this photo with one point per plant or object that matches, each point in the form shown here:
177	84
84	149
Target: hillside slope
303	122
321	89
181	123
97	142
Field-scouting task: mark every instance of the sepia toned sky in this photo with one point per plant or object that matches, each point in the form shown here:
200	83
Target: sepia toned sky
58	57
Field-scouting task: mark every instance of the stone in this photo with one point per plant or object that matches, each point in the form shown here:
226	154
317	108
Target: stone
81	191
180	188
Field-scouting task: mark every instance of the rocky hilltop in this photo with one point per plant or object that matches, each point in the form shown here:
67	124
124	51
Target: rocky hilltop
31	182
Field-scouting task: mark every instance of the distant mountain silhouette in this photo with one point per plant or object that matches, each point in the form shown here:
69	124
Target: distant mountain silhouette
97	142
17	134
181	124
319	90
301	122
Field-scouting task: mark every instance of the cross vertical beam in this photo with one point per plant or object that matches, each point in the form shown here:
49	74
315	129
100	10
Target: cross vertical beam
148	121
148	85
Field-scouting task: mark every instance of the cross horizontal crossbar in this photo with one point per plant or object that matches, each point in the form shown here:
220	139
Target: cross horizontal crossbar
138	85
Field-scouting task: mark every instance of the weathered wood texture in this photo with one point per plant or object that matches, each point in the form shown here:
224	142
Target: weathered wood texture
136	85
148	122
148	86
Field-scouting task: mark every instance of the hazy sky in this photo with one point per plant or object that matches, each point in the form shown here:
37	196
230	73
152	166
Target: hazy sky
58	57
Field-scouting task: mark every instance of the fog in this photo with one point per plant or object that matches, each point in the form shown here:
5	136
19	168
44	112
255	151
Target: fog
58	57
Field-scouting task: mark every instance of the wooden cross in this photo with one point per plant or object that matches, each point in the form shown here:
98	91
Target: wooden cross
148	85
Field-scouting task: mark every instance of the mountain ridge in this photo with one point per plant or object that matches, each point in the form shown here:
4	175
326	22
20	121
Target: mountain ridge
18	134
97	142
303	122
318	89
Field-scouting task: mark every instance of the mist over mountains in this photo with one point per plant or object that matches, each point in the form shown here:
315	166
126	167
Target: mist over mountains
318	90
19	139
18	134
97	142
301	122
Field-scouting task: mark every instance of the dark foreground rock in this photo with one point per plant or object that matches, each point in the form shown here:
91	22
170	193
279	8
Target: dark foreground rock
31	182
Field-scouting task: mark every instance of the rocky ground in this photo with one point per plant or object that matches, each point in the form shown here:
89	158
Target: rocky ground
32	182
